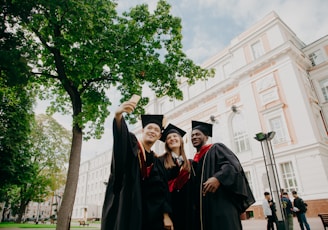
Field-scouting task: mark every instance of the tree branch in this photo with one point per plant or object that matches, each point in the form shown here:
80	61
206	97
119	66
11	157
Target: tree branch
46	74
43	41
86	83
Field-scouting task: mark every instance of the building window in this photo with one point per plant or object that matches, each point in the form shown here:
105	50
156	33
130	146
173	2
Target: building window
257	50
212	81
277	125
196	88
269	96
226	70
324	89
151	108
185	95
316	57
249	179
288	176
266	82
321	124
166	105
240	135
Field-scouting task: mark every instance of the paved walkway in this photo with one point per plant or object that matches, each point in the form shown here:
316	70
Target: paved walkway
251	224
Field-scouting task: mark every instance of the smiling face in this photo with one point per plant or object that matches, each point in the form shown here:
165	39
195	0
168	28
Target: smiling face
173	142
198	139
151	133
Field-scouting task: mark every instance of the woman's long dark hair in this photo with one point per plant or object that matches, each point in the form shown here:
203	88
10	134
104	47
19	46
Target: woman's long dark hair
168	161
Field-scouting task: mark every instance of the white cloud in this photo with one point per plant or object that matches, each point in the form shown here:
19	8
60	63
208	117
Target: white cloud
306	18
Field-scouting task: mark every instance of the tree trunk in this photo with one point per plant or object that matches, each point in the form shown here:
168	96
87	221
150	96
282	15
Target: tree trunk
2	211
66	208
21	211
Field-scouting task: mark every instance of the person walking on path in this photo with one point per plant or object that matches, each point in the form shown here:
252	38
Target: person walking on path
300	208
269	210
288	209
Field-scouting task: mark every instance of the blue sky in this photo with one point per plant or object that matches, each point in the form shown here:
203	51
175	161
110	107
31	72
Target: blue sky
210	25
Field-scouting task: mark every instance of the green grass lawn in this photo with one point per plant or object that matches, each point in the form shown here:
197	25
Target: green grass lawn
33	225
26	225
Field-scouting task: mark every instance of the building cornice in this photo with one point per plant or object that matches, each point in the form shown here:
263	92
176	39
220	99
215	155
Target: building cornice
287	48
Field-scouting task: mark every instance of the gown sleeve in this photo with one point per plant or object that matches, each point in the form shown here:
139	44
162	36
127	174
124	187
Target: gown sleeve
231	174
122	203
124	144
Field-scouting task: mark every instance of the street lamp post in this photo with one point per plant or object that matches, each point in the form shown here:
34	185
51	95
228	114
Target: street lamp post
272	175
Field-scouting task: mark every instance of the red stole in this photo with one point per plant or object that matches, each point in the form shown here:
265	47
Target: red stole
145	171
203	150
178	182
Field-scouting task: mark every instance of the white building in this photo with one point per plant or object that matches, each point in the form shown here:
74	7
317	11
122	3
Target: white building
266	80
91	188
43	211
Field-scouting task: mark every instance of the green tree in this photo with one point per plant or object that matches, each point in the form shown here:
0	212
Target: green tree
83	48
50	144
15	119
15	108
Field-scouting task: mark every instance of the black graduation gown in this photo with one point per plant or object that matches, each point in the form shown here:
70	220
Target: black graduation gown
222	209
180	201
133	201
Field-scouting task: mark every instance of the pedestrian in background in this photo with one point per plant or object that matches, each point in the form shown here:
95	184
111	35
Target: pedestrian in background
300	208
288	209
269	210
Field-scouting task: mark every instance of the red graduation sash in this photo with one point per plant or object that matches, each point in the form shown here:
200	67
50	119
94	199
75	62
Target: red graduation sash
202	152
145	171
178	182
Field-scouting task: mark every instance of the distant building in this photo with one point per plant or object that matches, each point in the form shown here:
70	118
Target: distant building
91	188
45	210
266	80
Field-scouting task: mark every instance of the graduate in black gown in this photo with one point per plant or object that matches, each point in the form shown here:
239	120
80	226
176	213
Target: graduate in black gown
137	196
178	171
221	190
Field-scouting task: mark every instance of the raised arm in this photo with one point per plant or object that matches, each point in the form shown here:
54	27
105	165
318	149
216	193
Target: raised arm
126	107
122	148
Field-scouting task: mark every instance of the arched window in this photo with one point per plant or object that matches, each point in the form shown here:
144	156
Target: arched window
240	136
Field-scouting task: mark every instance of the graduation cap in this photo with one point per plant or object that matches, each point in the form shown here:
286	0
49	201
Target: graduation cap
171	129
205	128
151	118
